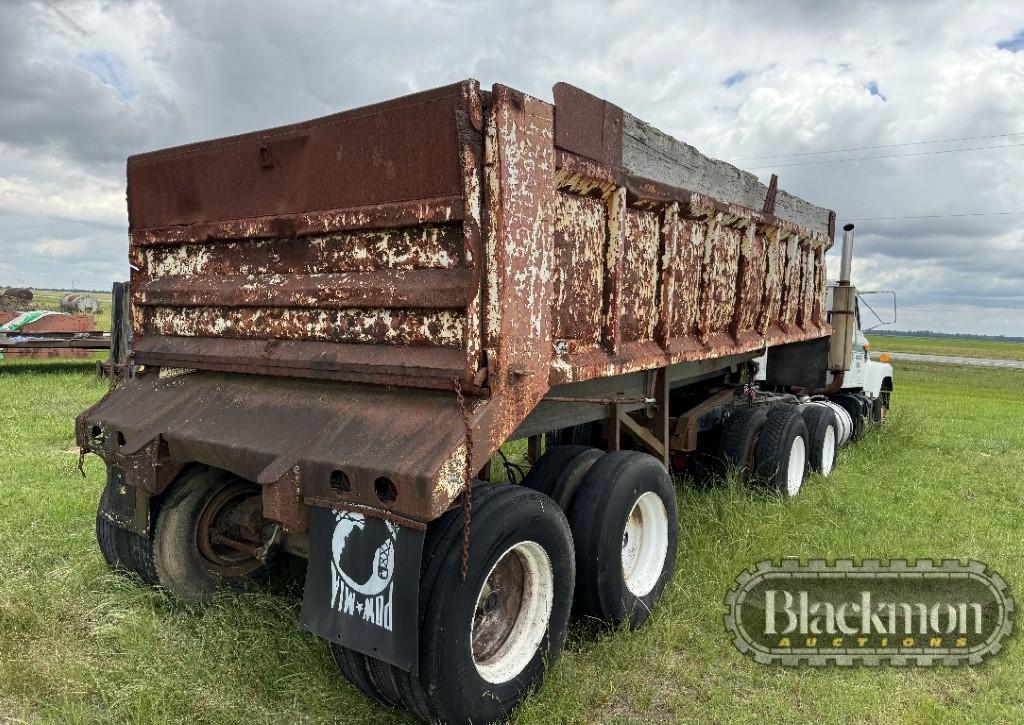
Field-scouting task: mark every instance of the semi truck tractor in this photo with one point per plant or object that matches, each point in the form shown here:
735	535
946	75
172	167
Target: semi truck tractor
338	323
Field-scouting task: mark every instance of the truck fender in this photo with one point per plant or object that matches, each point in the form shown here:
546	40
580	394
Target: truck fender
874	374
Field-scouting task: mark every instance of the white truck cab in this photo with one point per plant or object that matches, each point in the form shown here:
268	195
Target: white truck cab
872	378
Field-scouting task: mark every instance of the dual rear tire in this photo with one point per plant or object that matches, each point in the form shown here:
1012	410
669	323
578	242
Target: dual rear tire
773	446
485	640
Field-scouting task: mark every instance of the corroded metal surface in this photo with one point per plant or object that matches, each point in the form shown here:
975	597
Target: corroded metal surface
354	325
285	433
454	234
579	268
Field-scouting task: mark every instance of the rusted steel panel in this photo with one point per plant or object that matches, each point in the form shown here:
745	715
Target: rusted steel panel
281	432
442	328
588	126
358	228
668	266
689	264
640	275
425	247
520	253
775	259
441	288
428	367
752	272
579	269
281	226
613	265
721	265
791	283
401	150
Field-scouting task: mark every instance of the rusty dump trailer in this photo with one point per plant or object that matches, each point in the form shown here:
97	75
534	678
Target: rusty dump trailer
337	323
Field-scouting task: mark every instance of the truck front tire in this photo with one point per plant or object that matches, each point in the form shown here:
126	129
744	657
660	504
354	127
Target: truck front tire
625	527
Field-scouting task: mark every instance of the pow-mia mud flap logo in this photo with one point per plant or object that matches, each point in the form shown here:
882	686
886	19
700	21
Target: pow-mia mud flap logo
362	584
845	614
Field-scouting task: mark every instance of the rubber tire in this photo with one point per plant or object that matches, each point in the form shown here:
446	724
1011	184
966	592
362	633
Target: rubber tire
560	471
126	551
356	669
378	680
818	419
852	405
740	434
771	463
447	687
880	406
178	562
598	518
589	434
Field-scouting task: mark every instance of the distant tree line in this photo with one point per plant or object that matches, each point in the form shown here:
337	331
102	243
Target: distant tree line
946	335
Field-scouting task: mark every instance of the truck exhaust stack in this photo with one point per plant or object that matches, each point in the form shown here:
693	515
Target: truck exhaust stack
843	317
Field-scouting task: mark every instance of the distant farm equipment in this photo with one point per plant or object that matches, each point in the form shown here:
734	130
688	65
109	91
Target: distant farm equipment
75	302
37	333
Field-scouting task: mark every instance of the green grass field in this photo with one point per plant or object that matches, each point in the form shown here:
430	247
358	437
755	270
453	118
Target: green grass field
80	644
993	349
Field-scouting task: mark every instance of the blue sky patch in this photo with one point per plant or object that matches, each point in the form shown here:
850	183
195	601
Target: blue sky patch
737	77
1014	44
111	70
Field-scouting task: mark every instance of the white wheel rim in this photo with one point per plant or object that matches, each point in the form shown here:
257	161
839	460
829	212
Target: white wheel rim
797	463
644	544
828	450
512	612
843	420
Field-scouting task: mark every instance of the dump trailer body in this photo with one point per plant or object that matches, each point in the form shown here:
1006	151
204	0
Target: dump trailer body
394	256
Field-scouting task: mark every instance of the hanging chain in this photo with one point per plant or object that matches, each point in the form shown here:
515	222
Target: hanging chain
467	490
119	376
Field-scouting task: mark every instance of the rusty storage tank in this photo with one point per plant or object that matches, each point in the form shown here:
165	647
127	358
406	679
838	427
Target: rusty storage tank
371	303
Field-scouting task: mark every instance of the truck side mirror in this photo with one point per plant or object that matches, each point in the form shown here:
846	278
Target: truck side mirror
889	315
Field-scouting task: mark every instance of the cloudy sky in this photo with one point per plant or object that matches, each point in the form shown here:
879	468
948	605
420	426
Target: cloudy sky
84	84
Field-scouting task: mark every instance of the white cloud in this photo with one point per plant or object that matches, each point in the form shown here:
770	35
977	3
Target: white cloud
59	247
85	84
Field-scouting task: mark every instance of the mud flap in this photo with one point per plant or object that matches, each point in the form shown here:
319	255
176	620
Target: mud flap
362	585
124	506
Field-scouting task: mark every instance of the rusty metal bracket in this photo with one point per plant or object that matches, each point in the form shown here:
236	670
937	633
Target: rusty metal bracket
653	436
599	401
684	433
